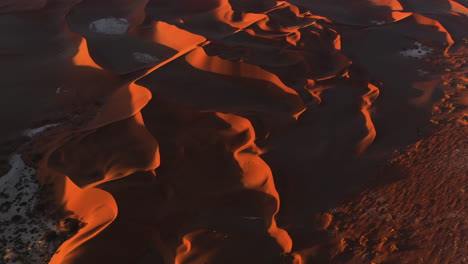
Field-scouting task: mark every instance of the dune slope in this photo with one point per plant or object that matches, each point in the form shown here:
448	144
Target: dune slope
231	131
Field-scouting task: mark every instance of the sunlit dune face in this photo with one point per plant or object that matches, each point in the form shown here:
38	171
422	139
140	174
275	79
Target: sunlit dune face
124	103
95	207
368	99
190	130
83	58
175	38
183	249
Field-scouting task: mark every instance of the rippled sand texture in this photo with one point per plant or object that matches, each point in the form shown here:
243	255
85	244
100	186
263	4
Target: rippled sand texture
180	125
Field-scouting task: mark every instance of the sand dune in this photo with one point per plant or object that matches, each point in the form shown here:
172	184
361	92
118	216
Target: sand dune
231	131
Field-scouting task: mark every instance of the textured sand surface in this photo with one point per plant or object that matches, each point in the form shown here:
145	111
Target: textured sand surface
233	131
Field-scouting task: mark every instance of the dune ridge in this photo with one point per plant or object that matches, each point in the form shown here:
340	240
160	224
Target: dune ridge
181	125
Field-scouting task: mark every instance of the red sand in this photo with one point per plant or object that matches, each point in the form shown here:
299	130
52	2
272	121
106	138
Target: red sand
235	131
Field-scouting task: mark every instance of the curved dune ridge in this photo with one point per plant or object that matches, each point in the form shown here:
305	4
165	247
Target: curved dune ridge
179	126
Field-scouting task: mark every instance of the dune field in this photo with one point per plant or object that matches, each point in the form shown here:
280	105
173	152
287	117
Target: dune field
233	131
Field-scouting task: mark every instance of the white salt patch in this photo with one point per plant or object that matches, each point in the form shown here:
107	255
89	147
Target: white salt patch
378	23
35	131
419	51
22	233
110	25
144	58
18	171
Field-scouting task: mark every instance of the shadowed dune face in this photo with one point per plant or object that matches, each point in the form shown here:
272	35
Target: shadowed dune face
260	90
25	6
253	6
176	127
359	13
236	184
94	157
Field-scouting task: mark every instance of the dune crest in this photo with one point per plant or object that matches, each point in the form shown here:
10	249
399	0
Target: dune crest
200	60
368	99
95	207
226	131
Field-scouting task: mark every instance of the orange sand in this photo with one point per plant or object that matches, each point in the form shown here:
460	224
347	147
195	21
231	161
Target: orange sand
183	124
